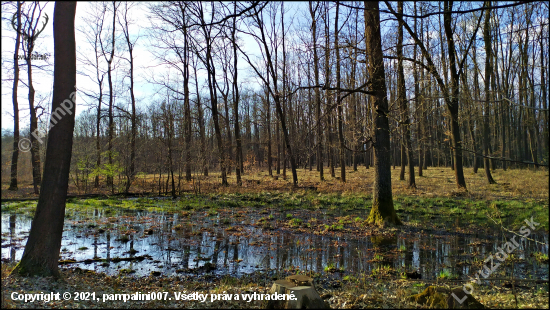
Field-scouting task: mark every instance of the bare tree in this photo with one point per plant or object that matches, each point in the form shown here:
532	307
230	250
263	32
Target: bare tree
109	59
31	30
200	116
93	32
41	253
338	100
402	98
15	154
167	114
236	98
208	61
313	12
328	97
273	88
125	25
488	74
450	88
382	206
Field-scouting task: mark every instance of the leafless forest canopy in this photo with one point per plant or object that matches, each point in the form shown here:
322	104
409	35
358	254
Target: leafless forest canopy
240	86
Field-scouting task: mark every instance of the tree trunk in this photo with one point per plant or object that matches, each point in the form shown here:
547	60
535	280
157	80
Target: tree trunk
402	97
132	102
187	106
211	70
330	155
419	105
317	92
272	73
287	140
170	131
201	126
41	253
471	123
35	136
338	101
268	126
382	207
488	68
453	102
278	142
15	154
238	151
110	180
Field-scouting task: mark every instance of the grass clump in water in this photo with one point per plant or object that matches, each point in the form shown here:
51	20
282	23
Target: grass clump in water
295	222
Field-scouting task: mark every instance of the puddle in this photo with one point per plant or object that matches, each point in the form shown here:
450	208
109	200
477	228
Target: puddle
142	242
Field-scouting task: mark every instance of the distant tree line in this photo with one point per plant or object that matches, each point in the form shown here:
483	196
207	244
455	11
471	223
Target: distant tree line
314	72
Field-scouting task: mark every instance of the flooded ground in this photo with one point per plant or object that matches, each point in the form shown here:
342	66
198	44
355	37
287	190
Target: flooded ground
270	239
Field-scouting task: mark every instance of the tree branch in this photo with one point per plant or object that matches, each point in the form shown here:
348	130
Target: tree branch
437	13
505	159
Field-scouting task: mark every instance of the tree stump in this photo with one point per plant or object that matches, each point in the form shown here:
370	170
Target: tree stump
303	289
300	280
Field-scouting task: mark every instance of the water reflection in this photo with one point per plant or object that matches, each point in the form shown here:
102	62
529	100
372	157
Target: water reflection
12	237
171	243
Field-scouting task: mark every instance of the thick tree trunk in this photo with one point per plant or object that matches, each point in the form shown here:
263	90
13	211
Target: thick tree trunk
41	253
488	74
382	207
453	102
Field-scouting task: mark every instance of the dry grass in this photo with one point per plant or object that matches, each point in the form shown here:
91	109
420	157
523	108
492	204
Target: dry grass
436	182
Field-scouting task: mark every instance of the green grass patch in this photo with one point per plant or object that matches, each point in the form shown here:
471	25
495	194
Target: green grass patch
295	222
414	210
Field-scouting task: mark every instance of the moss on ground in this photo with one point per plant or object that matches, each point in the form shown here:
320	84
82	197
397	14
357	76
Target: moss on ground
465	211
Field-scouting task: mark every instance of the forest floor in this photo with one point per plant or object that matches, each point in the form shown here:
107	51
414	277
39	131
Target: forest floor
328	210
518	184
363	293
